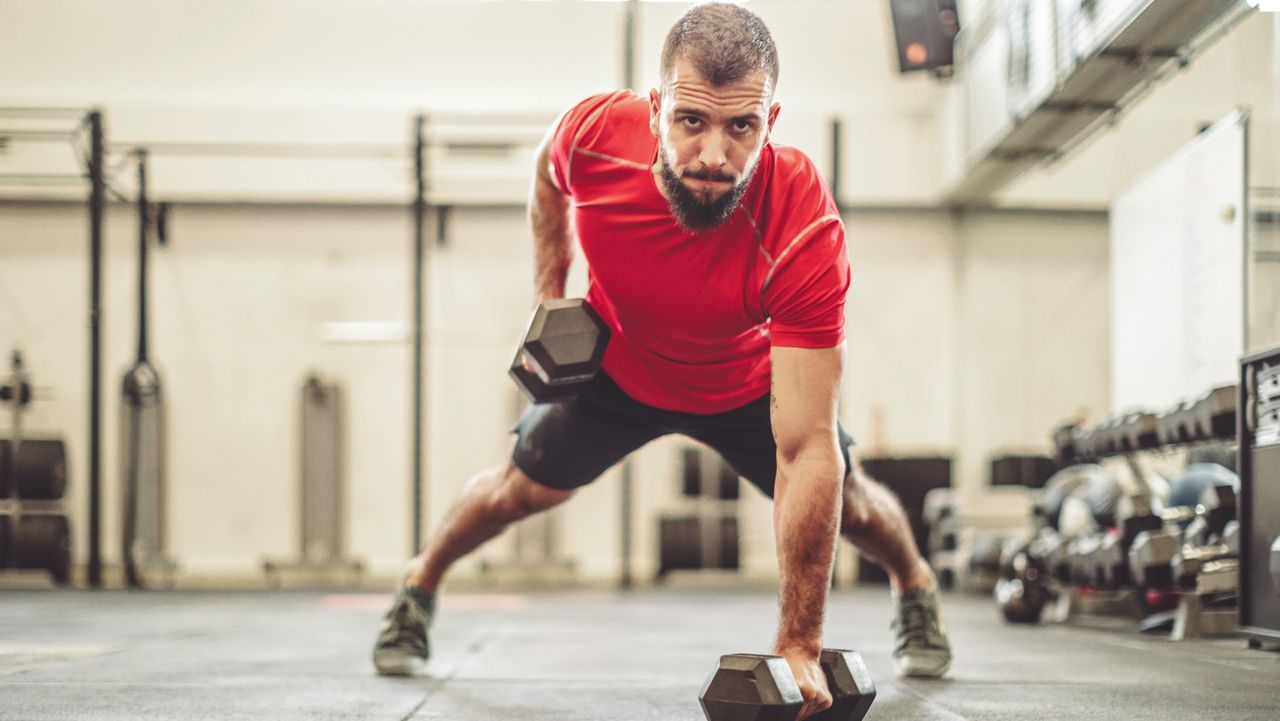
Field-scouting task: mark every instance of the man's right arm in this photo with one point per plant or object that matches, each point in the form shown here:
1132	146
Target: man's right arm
549	221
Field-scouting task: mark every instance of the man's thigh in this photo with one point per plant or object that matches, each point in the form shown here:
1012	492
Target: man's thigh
744	438
568	445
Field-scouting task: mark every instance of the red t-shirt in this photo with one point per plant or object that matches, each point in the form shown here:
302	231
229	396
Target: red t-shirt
694	315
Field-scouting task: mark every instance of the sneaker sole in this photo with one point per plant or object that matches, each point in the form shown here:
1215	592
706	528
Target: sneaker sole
936	672
396	663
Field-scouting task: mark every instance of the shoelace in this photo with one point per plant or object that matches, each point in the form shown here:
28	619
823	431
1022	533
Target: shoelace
407	625
914	624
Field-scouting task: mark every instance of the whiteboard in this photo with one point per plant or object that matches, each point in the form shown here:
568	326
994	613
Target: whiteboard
1177	272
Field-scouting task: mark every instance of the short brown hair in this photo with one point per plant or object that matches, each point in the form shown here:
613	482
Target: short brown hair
725	42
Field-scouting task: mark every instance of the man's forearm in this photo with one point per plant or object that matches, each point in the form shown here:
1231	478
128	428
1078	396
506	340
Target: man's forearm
553	244
806	523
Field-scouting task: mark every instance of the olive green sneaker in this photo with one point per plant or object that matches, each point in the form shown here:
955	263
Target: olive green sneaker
922	649
402	648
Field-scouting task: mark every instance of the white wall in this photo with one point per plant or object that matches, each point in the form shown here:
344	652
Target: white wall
967	335
950	318
340	71
1033	347
900	378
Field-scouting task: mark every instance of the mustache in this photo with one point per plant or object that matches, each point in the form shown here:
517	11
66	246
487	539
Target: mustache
708	175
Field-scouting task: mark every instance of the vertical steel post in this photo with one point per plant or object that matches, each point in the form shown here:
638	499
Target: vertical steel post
625	579
419	328
97	208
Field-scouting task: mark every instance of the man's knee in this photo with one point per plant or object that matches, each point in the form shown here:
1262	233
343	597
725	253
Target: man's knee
518	495
857	509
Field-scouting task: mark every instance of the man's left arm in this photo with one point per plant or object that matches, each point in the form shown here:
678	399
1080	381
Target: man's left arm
807	492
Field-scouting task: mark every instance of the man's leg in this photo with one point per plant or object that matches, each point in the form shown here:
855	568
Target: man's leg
873	520
564	446
491	500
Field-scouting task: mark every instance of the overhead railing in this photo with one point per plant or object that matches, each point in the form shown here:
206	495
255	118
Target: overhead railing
1039	78
471	159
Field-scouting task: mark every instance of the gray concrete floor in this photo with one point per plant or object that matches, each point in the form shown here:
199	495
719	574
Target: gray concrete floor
568	656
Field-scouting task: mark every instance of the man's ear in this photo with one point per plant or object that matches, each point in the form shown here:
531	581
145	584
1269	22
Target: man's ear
773	115
655	111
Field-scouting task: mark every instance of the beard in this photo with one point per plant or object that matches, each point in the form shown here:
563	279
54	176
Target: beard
700	212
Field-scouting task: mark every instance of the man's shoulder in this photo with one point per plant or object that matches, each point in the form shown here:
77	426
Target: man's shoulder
795	173
605	118
797	197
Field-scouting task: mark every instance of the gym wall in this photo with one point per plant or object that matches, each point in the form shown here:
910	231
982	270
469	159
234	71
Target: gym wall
242	294
968	334
341	70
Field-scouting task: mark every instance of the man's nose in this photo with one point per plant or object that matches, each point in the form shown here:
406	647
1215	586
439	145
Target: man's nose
713	154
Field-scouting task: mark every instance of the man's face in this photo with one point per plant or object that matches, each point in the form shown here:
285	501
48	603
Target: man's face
709	141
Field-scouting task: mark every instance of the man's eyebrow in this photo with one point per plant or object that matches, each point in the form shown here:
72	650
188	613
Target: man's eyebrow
682	110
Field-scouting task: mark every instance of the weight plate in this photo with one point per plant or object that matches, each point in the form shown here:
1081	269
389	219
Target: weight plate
43	542
6	469
40	469
6	541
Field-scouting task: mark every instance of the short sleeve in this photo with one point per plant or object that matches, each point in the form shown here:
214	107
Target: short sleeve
576	123
805	293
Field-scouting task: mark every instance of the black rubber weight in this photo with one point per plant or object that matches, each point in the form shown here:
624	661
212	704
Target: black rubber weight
43	542
6	472
39	469
6	541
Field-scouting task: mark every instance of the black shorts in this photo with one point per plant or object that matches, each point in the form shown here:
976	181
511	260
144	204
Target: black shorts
568	445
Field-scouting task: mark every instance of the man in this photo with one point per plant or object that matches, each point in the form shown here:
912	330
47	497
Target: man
718	261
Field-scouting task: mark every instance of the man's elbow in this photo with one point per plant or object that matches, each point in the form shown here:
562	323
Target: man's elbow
811	456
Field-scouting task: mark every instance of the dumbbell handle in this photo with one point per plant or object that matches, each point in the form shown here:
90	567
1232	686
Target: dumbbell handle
1177	514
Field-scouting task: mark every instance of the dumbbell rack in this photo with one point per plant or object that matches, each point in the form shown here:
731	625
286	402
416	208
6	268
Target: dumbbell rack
1210	416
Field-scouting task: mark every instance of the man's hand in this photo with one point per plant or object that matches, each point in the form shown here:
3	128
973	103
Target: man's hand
807	670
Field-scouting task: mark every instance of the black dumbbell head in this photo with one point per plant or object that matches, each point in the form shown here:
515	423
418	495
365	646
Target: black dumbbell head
1021	601
566	341
852	689
751	687
561	351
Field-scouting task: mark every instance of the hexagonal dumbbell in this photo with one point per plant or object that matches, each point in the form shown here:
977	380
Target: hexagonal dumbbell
1022	592
1190	560
754	687
1150	556
561	351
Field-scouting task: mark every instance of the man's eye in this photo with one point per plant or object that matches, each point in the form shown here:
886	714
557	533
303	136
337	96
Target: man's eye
742	126
692	121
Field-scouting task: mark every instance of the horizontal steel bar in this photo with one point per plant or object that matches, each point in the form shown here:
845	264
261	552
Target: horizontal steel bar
42	112
38	135
320	151
47	179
